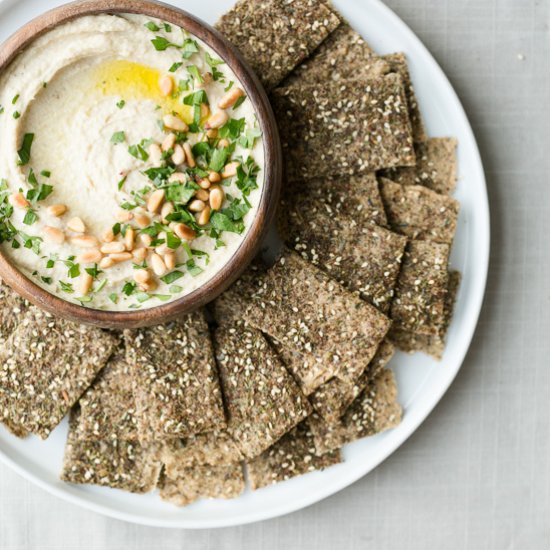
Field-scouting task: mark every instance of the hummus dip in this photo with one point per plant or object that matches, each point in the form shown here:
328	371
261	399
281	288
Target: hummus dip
131	162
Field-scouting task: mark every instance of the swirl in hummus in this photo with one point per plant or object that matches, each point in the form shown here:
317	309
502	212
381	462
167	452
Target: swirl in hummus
131	162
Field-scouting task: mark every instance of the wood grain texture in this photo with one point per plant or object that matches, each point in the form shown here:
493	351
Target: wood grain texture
272	169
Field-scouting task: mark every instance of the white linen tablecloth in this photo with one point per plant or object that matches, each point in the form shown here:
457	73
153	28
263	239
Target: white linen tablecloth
477	473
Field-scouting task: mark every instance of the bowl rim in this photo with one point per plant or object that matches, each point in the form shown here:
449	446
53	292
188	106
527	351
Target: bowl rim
272	169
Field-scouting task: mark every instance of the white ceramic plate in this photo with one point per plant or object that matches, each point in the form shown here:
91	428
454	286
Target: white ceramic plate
421	380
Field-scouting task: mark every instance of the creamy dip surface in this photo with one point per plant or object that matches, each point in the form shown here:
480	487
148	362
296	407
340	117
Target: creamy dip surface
131	162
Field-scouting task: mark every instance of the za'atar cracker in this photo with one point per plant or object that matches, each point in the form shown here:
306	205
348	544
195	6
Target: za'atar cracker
108	407
118	464
363	258
304	309
418	212
436	166
45	366
433	345
202	482
274	36
344	55
175	379
331	399
262	400
291	456
344	128
419	302
374	411
398	64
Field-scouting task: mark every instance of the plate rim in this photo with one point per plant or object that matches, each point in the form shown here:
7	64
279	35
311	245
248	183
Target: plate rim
401	435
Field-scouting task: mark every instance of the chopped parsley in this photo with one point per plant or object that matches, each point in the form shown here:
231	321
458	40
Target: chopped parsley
24	152
30	217
175	66
118	137
171	277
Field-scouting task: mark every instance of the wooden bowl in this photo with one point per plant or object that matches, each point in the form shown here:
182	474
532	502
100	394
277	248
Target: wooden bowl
269	192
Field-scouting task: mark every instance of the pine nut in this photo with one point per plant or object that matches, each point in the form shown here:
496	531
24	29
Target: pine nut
189	155
179	155
112	248
204	217
216	197
212	133
162	249
123	216
230	170
76	224
92	256
184	232
85	284
85	241
142	219
108	236
175	123
196	206
170	261
202	195
177	177
129	238
146	240
217	120
56	210
223	143
214	177
204	183
155	200
149	286
18	200
166	210
139	254
158	265
207	78
166	85
142	276
54	235
230	98
106	263
155	154
168	142
121	256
